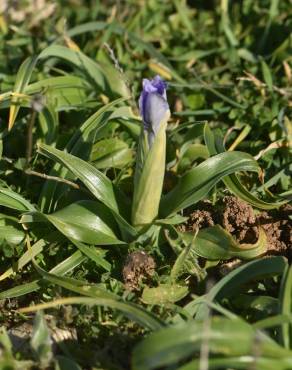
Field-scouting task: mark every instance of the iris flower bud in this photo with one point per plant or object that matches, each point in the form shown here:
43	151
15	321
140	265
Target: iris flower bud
150	164
153	106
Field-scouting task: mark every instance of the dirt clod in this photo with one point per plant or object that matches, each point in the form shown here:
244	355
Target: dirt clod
278	228
239	218
139	267
199	218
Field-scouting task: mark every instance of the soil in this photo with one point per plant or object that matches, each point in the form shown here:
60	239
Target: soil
235	216
139	267
239	218
200	218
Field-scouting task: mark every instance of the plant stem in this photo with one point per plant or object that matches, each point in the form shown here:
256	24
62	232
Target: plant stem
29	136
53	178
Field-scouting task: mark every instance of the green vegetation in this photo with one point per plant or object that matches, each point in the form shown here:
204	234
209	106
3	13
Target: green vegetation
122	252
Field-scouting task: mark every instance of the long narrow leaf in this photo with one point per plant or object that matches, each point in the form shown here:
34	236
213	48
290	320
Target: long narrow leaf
196	184
96	182
215	146
226	337
80	145
21	81
134	312
13	200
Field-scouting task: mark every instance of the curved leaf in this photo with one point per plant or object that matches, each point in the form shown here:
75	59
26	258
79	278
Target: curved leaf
21	81
215	146
10	199
242	363
215	243
96	182
85	221
56	83
76	58
196	183
230	284
226	337
79	145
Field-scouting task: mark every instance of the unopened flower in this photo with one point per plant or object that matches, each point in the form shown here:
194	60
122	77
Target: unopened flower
151	151
153	106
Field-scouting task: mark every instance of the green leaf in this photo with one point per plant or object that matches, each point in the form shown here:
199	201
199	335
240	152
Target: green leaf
74	285
41	341
85	221
286	306
27	256
131	310
94	254
149	176
56	84
48	121
21	81
111	152
96	182
215	243
90	68
62	92
225	21
87	27
196	183
80	145
230	284
189	154
181	262
164	294
5	340
61	268
183	12
10	199
215	146
225	337
242	362
267	75
173	220
65	363
20	290
11	234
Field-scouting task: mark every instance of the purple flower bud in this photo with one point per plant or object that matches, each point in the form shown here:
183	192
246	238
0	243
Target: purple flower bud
153	105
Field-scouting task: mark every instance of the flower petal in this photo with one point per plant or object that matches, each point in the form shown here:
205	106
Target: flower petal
155	109
153	105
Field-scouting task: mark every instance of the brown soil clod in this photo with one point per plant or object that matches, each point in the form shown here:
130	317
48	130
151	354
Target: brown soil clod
199	218
239	218
139	267
278	228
